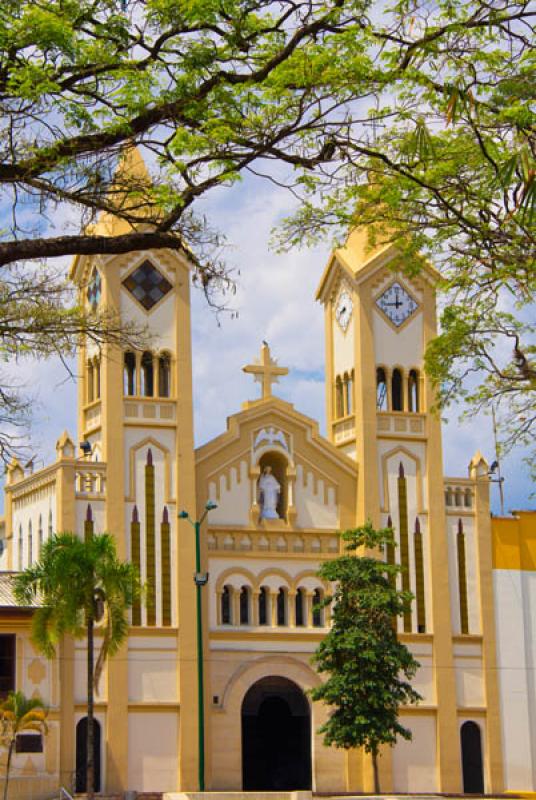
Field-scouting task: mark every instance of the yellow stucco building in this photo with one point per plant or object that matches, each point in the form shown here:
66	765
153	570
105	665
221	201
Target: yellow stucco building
283	492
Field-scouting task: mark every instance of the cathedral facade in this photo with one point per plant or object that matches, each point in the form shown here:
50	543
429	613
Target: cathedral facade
279	493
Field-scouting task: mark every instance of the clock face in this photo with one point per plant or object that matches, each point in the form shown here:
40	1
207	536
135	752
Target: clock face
396	304
343	312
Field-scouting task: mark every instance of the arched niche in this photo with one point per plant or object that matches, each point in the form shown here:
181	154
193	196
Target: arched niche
279	466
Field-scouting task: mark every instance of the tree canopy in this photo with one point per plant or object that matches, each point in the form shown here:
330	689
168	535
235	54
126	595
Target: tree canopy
416	118
368	669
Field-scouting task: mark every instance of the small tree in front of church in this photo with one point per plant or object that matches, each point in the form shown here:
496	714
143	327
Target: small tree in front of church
80	584
368	668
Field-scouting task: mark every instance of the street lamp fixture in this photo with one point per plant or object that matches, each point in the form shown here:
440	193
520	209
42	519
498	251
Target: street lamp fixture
200	580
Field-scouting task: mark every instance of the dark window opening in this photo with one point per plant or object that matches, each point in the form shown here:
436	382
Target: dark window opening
300	607
226	606
318	611
147	374
339	398
129	375
396	391
381	390
29	743
413	391
97	380
7	664
472	767
244	605
164	376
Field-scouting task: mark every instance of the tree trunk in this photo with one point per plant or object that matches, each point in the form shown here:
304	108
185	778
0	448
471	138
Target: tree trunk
90	763
8	766
376	773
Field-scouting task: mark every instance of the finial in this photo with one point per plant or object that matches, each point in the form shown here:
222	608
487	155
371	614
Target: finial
460	526
135	517
89	513
401	470
149	457
265	370
165	516
389	522
417	525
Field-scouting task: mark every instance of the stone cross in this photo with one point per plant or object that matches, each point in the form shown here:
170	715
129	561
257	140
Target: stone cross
266	370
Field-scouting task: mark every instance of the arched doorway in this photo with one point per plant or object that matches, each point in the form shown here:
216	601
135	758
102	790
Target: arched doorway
276	737
473	774
81	754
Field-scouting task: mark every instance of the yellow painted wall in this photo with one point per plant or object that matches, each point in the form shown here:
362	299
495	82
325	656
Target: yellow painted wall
514	541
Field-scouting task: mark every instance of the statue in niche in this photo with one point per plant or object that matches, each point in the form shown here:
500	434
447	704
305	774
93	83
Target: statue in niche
269	491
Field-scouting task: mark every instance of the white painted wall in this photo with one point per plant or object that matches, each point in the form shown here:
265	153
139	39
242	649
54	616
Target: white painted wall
316	501
515	612
161	319
152	669
414	762
232	491
41	503
153	740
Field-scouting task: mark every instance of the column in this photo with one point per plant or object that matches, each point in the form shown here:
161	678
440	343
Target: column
273	607
255	608
309	608
235	606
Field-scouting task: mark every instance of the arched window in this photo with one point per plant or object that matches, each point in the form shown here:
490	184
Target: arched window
282	606
81	755
90	383
448	496
397	402
50	528
263	606
458	496
381	390
164	375
40	535
300	607
348	393
318	611
147	374
30	543
467	498
413	390
244	605
226	614
129	374
21	546
339	398
96	366
472	766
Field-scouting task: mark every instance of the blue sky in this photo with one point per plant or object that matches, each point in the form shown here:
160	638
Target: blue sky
275	301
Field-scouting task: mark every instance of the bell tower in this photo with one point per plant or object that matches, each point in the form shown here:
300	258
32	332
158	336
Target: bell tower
378	322
135	422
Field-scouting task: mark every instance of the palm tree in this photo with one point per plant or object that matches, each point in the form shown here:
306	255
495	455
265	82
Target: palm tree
79	584
19	714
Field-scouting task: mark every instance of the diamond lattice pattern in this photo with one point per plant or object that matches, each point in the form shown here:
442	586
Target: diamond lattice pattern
147	285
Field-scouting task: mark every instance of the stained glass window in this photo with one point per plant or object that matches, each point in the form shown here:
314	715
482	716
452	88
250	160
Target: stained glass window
147	285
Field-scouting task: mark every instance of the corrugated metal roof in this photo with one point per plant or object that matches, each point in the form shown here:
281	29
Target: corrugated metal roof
6	592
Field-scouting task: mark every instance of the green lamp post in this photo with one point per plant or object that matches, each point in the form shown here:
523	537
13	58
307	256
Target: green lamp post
200	579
